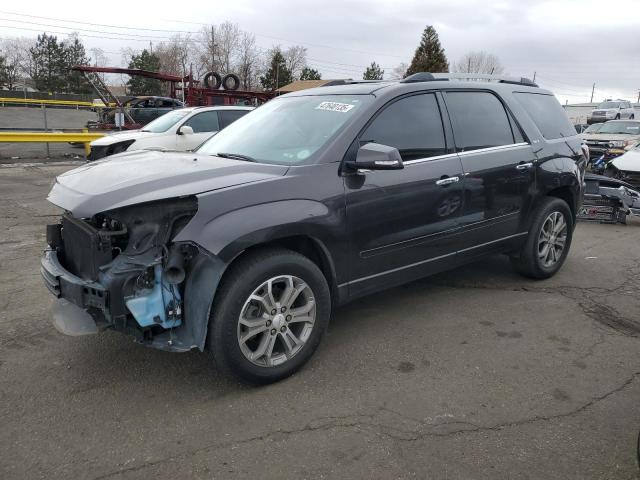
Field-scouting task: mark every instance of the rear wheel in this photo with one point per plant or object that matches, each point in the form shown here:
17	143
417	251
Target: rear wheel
548	240
269	316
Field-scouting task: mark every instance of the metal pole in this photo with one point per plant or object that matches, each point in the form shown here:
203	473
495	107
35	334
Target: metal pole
534	76
46	128
593	89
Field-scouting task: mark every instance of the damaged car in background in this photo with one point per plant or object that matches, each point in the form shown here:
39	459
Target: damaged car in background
315	198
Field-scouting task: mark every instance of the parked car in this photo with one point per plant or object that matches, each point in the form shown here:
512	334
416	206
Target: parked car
611	110
626	167
178	130
144	109
314	199
614	134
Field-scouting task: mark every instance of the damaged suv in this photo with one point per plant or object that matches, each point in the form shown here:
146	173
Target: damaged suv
313	199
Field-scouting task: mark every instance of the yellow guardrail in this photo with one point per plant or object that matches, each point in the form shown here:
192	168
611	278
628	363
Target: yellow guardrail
51	137
35	101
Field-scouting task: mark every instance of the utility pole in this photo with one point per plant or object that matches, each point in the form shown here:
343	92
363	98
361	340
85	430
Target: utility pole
534	76
593	89
638	97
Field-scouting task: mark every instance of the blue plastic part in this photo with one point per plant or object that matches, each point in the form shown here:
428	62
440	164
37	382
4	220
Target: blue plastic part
151	309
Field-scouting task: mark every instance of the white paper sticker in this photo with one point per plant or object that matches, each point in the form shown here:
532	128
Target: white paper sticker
335	107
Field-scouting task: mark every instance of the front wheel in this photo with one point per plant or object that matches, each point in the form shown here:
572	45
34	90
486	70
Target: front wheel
548	240
269	316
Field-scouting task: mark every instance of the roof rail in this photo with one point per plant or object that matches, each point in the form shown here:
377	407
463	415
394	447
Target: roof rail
430	77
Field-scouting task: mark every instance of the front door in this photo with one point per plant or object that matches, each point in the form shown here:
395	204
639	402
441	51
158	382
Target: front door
499	167
401	221
204	125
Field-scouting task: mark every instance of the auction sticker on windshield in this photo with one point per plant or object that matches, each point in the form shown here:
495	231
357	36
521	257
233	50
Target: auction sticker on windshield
335	107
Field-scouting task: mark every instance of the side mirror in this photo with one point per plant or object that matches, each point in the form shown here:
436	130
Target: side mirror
374	156
185	130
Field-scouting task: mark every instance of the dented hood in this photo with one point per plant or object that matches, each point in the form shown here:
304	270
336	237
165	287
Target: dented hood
144	176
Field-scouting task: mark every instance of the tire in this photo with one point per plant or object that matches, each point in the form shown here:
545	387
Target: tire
245	279
617	117
632	116
231	82
532	261
207	78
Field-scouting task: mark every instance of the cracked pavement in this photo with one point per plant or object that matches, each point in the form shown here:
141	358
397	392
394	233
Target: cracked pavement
472	374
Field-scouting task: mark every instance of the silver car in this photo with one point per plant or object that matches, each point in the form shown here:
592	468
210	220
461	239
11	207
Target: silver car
611	110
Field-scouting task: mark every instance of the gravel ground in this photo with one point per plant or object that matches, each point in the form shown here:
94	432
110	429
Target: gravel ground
473	374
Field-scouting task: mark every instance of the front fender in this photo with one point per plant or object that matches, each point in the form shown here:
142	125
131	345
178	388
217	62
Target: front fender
229	234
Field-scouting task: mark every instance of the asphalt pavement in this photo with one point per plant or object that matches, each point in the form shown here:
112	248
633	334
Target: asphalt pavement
472	374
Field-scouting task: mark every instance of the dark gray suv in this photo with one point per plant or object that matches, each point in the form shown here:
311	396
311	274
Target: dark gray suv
315	198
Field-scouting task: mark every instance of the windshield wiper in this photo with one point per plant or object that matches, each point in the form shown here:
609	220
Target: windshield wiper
236	156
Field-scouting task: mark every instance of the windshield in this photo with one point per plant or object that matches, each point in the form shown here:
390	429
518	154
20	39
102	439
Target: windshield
622	128
593	128
287	130
609	105
165	122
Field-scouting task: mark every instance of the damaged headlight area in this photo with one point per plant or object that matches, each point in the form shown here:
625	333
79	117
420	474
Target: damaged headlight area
122	267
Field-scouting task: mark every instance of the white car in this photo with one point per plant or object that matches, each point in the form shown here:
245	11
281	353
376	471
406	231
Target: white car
177	130
626	167
612	110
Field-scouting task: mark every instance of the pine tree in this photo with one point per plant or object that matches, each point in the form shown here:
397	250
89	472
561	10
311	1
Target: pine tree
373	72
310	74
277	75
429	56
48	65
145	60
74	54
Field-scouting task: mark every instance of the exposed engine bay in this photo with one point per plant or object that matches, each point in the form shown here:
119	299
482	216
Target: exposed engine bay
132	276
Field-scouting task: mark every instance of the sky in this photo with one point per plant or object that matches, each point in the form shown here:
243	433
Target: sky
569	44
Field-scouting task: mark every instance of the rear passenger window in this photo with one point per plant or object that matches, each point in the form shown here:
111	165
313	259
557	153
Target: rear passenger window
479	120
412	124
547	113
204	122
227	117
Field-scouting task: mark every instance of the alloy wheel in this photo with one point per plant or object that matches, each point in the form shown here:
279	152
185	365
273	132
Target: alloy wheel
276	320
552	239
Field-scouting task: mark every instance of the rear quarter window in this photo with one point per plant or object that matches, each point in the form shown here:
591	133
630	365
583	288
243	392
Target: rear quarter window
547	113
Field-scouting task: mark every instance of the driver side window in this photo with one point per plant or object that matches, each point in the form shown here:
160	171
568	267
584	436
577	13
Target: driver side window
412	124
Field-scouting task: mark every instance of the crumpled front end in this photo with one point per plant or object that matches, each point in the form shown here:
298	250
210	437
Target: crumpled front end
122	268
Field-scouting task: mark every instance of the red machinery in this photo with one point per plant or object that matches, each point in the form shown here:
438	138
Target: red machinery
193	93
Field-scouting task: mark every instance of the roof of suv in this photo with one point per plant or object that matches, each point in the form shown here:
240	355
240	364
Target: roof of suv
390	86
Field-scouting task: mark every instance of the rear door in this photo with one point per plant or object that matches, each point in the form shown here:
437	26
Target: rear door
204	125
498	165
401	221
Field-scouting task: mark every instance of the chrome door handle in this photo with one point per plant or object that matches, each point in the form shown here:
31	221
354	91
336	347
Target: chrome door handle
447	181
524	166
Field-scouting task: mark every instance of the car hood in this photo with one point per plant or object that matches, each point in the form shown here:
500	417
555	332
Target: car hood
143	176
629	162
116	137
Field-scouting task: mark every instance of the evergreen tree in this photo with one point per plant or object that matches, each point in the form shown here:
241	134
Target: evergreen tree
277	75
310	74
74	54
140	85
48	65
373	72
429	56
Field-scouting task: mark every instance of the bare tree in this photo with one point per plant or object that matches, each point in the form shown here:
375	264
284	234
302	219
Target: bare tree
478	62
399	71
175	55
227	42
17	60
99	60
248	61
296	59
